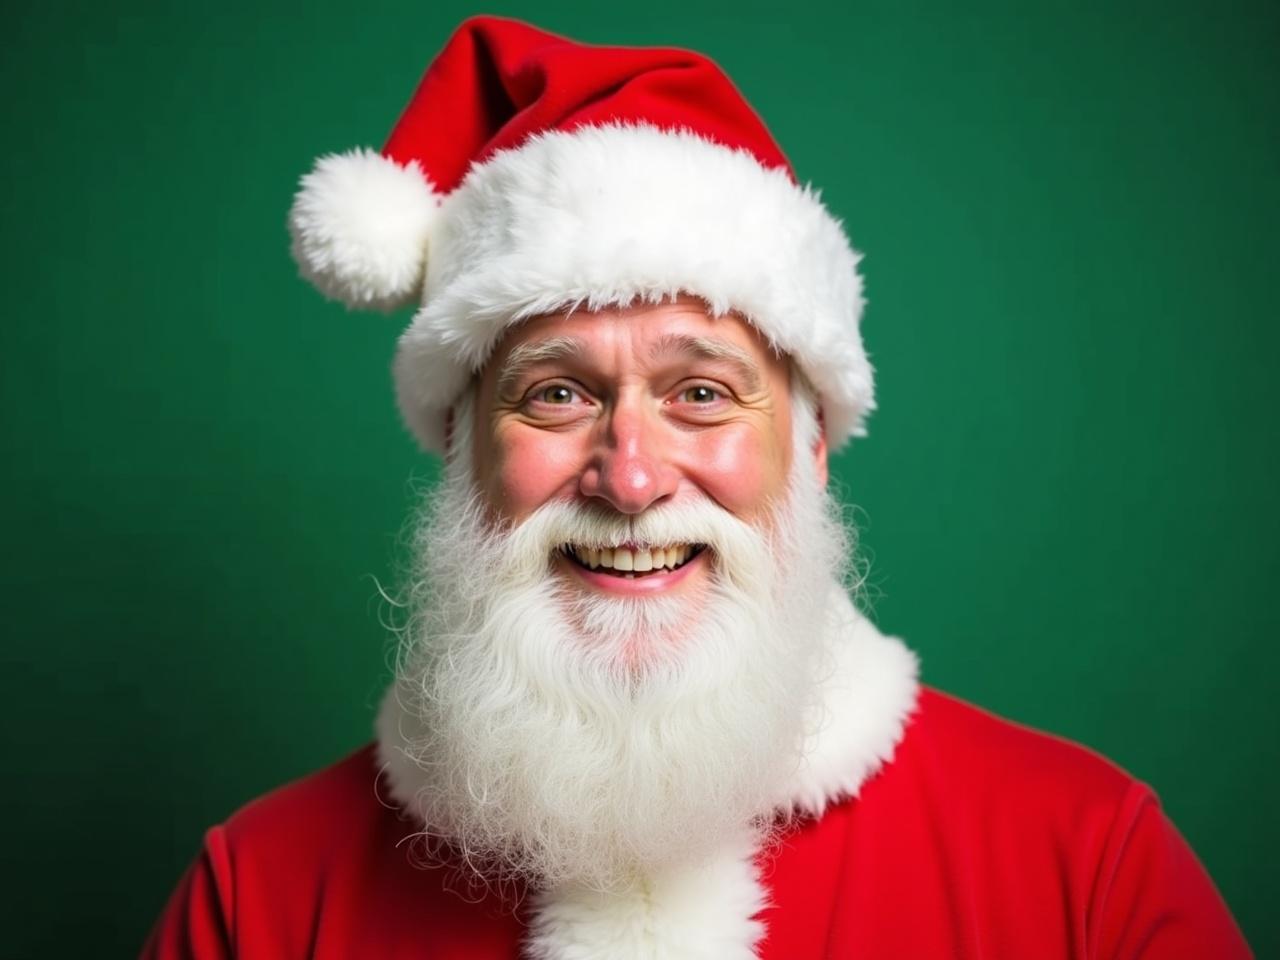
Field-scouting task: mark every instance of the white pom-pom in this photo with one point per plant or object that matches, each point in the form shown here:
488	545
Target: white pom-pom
360	223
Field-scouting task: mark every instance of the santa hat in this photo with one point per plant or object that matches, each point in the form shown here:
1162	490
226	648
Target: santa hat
531	174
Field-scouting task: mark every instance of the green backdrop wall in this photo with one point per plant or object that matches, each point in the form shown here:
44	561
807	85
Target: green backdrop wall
1068	496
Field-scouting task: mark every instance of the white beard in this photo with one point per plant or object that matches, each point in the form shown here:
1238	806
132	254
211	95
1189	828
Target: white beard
570	737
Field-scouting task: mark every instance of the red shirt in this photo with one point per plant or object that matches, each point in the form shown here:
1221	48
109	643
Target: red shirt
980	838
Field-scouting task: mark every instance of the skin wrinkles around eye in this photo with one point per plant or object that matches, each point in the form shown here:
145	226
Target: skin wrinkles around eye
726	394
724	401
736	381
726	407
557	395
686	396
535	402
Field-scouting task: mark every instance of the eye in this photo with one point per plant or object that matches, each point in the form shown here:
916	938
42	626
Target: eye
557	394
700	394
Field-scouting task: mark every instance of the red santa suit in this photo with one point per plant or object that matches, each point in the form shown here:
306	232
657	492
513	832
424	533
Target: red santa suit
928	828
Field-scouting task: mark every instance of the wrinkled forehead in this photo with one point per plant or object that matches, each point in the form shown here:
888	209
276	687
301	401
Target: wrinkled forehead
639	337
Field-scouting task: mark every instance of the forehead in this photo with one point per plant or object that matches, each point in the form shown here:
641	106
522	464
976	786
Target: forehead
624	337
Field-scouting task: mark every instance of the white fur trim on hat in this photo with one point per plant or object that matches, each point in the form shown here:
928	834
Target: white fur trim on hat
611	215
360	224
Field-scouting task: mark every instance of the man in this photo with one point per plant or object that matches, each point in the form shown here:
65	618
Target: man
636	713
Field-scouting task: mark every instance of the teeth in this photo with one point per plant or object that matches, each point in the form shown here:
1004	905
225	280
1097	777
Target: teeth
628	560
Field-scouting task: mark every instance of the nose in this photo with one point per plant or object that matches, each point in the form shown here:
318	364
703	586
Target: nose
630	467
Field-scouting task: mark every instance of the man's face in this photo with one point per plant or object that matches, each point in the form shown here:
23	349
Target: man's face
630	409
572	721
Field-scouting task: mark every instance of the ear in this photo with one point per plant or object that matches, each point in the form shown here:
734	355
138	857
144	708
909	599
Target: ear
820	449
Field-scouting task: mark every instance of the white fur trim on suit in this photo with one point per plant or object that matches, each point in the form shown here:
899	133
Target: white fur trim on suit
709	910
360	224
703	912
611	215
867	698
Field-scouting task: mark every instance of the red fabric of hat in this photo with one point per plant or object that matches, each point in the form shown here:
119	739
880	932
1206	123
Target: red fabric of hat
497	82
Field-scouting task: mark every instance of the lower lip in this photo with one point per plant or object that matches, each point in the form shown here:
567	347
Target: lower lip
635	586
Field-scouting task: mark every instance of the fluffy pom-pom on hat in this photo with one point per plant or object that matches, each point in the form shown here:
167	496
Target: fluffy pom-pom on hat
530	174
360	224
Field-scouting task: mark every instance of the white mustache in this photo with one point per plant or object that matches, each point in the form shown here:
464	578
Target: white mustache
530	545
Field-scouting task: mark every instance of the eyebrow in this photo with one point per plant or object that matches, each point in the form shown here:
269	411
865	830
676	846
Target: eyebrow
525	355
709	348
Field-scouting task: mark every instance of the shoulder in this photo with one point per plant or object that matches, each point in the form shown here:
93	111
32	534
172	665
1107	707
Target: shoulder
346	792
326	824
346	785
968	786
1052	818
979	829
952	739
268	874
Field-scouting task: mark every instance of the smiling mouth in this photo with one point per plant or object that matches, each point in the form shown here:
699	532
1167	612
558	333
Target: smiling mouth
632	561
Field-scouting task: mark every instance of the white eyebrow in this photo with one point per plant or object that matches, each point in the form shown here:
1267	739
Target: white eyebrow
710	348
525	355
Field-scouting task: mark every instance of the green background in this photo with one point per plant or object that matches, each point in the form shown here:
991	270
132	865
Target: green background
1068	496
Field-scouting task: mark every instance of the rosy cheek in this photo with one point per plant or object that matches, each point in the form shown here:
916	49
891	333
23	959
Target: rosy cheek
531	467
740	469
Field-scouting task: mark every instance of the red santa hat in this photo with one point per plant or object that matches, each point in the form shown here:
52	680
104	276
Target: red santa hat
531	174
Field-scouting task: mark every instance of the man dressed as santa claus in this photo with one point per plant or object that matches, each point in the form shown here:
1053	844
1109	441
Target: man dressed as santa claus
635	713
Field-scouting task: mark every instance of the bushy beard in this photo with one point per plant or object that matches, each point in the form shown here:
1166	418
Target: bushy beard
565	736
